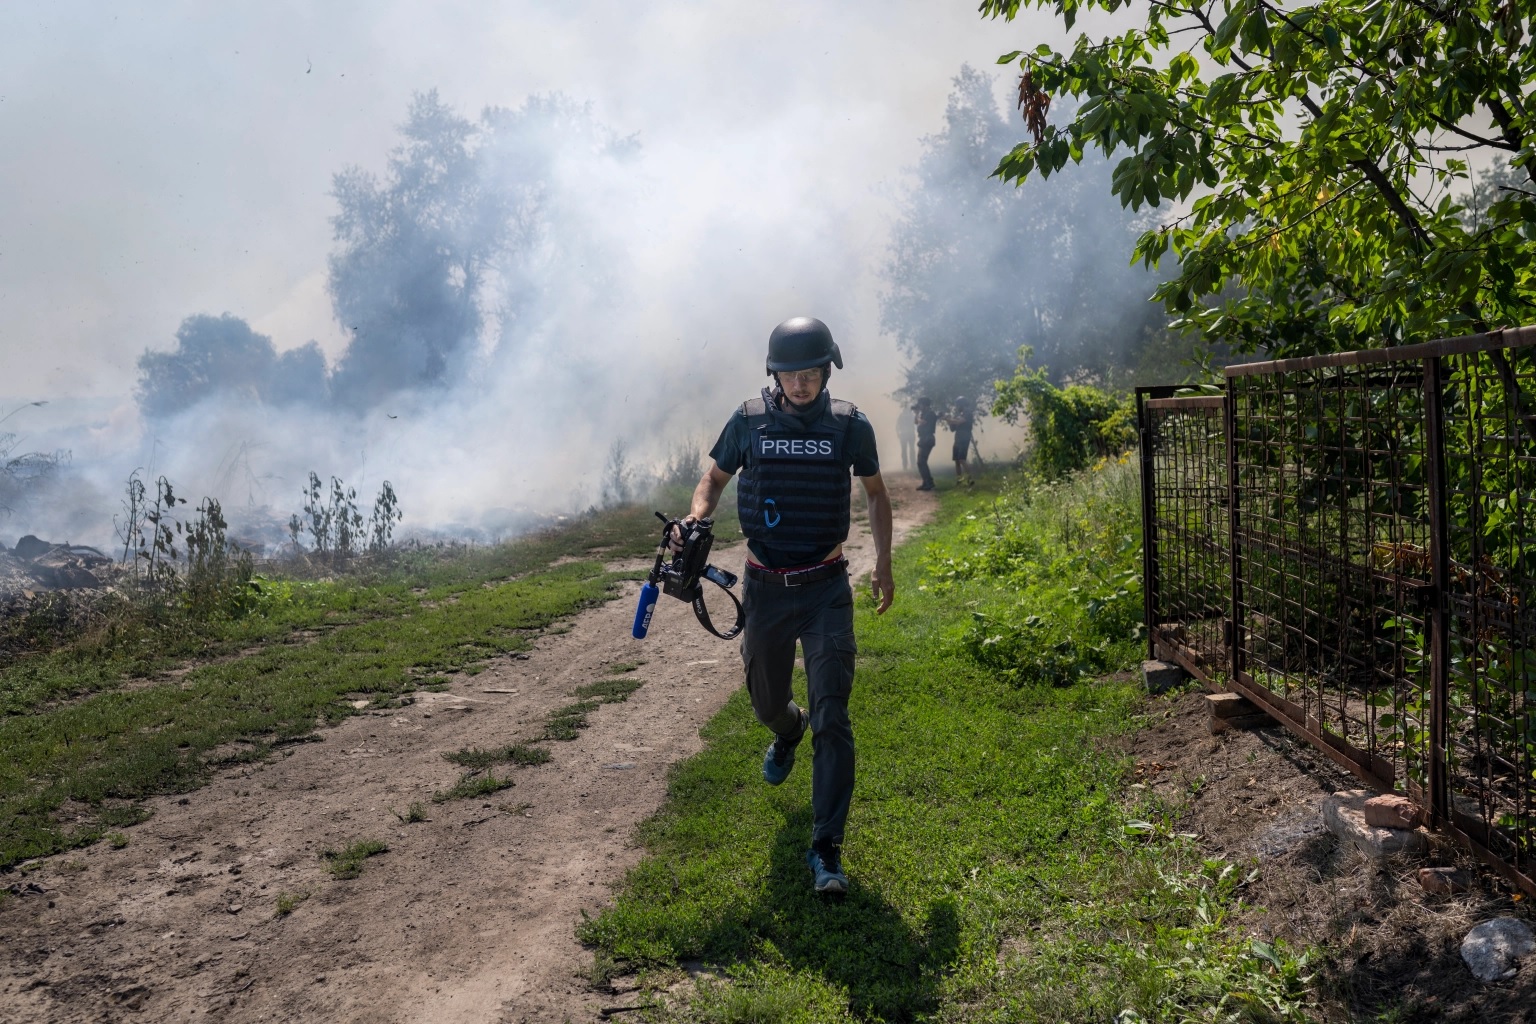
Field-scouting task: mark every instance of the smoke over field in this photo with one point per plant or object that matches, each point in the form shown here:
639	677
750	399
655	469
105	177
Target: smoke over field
495	308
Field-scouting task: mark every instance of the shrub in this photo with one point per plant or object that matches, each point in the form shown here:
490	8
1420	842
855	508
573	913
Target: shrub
1069	427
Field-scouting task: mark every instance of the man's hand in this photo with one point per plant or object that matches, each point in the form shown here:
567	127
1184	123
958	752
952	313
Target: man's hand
881	579
883	584
675	533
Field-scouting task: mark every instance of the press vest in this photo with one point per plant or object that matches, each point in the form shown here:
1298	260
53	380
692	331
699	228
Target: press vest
794	489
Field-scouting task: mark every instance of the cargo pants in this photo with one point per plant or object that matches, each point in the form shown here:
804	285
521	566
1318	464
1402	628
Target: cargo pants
820	616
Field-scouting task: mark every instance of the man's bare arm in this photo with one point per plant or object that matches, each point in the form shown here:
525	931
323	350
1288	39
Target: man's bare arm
707	495
880	578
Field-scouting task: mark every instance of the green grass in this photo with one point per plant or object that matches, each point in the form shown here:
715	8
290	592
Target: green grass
287	902
994	874
609	691
521	754
73	732
348	863
565	723
417	811
473	785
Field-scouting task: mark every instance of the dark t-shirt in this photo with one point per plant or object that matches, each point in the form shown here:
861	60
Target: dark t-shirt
962	424
927	422
730	454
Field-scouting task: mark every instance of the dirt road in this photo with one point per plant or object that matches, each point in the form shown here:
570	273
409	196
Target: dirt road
469	916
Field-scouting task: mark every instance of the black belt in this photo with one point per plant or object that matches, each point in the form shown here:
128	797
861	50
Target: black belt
799	577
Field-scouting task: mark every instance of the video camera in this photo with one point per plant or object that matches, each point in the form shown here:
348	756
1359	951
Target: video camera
682	574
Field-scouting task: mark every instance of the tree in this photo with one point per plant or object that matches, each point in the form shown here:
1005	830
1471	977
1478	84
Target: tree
1317	154
222	355
470	225
978	269
413	250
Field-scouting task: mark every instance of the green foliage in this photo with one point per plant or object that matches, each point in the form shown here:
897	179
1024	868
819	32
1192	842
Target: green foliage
1322	149
473	785
348	863
609	691
565	723
1068	427
1067	558
515	753
993	876
288	902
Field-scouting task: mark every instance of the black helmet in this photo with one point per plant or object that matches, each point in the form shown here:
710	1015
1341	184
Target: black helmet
801	343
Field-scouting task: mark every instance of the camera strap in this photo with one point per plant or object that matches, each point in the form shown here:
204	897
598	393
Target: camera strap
702	613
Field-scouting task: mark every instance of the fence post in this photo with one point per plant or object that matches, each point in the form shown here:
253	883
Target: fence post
1148	525
1229	427
1437	619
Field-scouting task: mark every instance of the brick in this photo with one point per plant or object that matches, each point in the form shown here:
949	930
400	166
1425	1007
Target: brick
1391	810
1161	676
1445	881
1344	814
1230	705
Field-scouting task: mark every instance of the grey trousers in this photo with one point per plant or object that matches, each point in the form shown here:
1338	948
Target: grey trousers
820	616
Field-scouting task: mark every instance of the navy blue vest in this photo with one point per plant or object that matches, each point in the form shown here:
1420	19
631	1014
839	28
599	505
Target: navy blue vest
793	492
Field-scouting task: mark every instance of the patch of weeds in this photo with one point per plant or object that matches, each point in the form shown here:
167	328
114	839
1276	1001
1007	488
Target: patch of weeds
622	667
609	691
474	670
558	630
116	840
74	867
414	813
603	970
288	902
516	753
513	809
348	863
566	722
473	785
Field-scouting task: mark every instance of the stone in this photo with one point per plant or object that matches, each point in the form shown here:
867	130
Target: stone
1391	810
29	547
1493	949
1344	814
1230	705
1444	881
1161	676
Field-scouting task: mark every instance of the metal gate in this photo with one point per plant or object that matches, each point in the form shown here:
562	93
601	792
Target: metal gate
1350	541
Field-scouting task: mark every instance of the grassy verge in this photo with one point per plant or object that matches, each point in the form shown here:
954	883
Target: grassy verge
88	760
1000	869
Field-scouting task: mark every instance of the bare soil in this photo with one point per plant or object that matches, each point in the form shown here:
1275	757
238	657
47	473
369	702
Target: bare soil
1254	798
469	916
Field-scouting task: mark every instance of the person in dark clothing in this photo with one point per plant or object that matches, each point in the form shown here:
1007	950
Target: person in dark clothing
927	420
795	447
961	420
906	435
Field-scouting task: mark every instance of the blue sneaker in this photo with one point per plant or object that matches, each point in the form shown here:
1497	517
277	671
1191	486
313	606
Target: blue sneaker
780	757
827	865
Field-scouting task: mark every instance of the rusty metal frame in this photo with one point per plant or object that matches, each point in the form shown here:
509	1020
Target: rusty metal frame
1454	642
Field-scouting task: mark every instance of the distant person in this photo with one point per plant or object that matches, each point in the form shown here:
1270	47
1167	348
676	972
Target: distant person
961	420
795	447
906	433
926	420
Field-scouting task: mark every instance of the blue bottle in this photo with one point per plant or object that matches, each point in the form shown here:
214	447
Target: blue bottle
644	609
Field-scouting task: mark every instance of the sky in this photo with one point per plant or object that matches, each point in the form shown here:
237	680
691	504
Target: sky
163	160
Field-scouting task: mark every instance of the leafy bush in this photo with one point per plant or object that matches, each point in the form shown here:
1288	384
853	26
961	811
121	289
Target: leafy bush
1069	554
1068	427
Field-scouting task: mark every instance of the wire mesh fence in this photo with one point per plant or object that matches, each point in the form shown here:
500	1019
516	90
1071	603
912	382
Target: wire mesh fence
1185	483
1350	540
